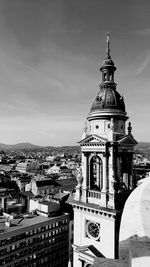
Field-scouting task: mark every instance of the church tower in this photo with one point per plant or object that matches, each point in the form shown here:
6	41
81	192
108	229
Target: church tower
105	179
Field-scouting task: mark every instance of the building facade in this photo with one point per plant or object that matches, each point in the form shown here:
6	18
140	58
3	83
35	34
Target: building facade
34	241
27	166
105	179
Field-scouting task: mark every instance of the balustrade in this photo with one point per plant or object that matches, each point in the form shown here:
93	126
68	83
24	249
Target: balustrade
94	194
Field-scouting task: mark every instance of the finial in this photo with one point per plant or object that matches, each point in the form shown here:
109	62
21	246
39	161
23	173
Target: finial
84	135
129	128
108	45
85	127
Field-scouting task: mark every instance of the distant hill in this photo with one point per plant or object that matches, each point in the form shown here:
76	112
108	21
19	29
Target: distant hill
32	147
20	146
142	146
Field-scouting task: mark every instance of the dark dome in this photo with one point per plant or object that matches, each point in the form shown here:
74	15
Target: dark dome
108	99
108	61
107	64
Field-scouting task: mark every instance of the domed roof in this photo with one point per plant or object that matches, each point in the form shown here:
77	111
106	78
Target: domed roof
108	99
108	62
136	216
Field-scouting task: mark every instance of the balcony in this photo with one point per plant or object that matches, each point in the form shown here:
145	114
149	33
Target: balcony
94	196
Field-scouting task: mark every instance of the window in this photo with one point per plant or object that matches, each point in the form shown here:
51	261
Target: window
8	240
31	232
17	237
3	242
8	249
46	235
35	231
42	236
42	229
13	247
96	173
27	233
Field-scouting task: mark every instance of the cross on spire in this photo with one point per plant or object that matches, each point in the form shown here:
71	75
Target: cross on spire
108	45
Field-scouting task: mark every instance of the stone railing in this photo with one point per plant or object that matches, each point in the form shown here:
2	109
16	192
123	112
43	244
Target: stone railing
94	194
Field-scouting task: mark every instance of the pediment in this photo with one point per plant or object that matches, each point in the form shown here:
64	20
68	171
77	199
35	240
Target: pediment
90	250
128	139
93	139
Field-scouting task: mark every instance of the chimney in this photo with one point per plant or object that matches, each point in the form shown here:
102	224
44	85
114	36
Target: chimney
8	222
4	204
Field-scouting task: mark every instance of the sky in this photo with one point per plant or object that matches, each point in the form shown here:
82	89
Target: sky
50	55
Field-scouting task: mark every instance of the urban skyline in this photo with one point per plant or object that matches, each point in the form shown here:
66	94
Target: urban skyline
50	54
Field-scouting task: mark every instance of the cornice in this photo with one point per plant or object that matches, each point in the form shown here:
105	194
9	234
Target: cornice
94	209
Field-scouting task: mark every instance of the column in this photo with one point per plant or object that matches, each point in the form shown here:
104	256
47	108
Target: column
112	177
104	188
131	186
85	175
111	172
98	172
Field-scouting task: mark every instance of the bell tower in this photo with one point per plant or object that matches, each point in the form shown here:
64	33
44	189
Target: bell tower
105	179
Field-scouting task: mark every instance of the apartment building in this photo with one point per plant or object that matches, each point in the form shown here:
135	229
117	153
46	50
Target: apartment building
34	240
27	166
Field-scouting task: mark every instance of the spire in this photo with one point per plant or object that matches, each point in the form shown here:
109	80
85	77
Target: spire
108	46
108	67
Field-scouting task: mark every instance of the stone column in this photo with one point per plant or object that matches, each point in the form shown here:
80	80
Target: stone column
131	186
126	179
111	201
104	188
98	171
111	172
85	175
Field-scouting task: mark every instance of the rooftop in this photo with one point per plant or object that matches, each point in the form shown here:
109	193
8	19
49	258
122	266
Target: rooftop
20	223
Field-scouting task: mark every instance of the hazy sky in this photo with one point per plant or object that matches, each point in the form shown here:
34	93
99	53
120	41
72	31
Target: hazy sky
50	54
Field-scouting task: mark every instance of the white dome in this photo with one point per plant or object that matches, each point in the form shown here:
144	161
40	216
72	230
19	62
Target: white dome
135	221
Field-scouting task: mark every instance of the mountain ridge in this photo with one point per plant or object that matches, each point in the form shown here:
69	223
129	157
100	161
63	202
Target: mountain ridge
18	146
30	146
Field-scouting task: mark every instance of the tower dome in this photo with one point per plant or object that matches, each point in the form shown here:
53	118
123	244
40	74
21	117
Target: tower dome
108	99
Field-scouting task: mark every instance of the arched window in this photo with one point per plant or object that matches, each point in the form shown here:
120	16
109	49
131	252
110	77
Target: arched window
105	76
96	173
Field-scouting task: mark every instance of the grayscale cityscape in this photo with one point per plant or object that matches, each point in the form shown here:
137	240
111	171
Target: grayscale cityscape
74	133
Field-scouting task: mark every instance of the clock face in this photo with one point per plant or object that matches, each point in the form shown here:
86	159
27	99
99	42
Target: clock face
93	230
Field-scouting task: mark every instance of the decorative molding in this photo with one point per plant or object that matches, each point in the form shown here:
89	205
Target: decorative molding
106	214
93	144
